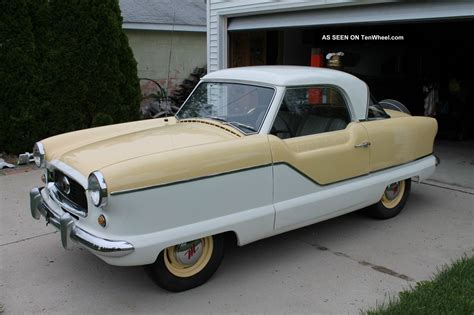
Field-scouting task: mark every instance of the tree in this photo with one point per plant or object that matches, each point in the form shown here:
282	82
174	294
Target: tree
93	77
18	76
38	12
64	65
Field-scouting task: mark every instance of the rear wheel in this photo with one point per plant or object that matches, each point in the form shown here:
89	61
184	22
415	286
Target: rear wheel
392	202
187	265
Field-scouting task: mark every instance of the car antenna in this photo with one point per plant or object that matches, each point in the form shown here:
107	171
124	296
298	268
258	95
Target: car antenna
169	57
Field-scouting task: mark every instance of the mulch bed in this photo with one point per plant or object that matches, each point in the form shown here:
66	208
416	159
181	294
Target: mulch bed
12	159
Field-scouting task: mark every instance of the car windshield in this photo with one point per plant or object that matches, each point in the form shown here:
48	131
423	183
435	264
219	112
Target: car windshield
243	106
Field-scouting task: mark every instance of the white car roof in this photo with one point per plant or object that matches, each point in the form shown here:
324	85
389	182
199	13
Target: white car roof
355	89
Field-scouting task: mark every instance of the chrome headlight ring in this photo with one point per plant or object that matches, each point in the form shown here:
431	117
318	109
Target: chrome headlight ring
97	189
39	154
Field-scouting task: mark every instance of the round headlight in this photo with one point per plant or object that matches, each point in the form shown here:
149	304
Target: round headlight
38	154
97	189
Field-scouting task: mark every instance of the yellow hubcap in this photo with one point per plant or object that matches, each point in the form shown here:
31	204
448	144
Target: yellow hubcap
393	194
187	259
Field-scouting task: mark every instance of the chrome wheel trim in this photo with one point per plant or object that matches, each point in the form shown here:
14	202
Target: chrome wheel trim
393	194
392	191
188	253
185	260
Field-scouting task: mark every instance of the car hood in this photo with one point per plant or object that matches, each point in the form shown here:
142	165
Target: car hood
93	149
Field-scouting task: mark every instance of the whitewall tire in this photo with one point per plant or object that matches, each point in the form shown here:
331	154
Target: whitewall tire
187	265
392	201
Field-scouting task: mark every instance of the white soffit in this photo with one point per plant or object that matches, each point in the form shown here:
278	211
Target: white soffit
163	27
391	12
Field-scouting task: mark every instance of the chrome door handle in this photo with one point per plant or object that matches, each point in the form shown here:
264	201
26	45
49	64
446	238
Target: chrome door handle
362	145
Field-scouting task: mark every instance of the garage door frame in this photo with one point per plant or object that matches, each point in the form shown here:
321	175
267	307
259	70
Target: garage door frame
244	18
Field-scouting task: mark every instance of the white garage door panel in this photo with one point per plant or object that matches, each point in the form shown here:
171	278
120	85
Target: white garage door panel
354	14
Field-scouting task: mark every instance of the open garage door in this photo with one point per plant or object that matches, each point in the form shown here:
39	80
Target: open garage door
433	54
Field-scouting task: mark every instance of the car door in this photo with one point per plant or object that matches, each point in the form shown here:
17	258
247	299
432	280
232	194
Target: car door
315	147
398	140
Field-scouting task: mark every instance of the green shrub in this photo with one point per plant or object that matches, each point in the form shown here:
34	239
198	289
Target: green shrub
94	69
18	76
64	65
101	119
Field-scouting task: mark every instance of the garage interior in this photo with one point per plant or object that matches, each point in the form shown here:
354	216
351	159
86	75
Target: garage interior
437	54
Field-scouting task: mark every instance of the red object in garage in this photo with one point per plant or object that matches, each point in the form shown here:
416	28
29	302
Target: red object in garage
314	95
316	57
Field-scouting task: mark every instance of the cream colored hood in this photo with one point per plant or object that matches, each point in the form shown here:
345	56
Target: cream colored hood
93	149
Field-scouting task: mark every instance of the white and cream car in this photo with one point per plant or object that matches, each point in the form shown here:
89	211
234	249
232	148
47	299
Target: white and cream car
253	152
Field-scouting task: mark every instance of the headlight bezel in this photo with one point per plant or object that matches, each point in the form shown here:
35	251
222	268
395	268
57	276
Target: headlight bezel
97	188
39	154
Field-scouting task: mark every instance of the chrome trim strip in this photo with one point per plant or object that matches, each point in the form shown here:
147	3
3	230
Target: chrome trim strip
54	193
67	170
69	231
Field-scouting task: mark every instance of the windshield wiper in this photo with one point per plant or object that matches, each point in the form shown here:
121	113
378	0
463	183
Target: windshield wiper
216	118
240	125
232	123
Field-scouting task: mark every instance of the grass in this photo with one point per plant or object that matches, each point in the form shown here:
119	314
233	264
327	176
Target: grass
450	292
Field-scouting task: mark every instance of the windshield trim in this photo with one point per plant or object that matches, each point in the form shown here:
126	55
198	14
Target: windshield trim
251	83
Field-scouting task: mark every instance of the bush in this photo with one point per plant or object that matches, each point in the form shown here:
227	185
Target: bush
95	67
18	76
102	119
70	67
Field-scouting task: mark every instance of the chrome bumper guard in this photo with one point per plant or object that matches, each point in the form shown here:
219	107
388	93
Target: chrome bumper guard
70	232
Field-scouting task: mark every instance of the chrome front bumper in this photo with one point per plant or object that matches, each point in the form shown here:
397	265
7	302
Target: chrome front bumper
63	221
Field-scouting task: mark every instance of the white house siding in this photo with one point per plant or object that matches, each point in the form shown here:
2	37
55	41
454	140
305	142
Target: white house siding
152	53
218	11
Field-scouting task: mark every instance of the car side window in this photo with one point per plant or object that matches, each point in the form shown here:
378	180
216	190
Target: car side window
310	110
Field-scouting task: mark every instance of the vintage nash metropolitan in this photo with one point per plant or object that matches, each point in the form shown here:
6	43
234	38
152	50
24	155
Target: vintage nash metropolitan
253	152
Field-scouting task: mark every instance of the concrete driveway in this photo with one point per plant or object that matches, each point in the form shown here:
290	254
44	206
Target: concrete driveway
339	266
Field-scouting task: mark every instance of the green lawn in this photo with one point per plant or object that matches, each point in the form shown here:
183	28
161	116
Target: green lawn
450	292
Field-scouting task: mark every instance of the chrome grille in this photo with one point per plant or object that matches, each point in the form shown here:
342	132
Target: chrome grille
72	191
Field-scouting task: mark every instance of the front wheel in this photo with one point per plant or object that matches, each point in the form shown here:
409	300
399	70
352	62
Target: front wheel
392	202
187	265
